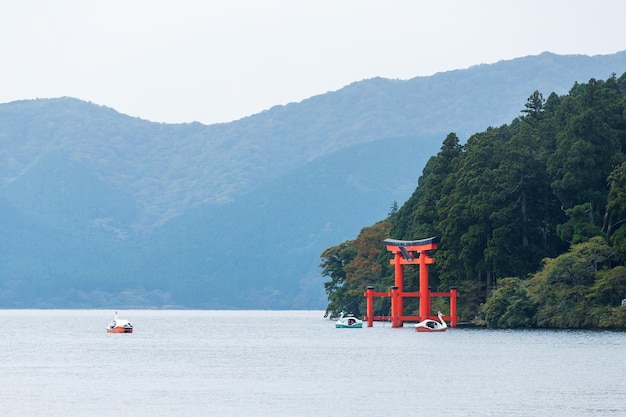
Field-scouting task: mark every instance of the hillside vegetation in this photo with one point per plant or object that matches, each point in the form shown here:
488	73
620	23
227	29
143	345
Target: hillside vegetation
531	219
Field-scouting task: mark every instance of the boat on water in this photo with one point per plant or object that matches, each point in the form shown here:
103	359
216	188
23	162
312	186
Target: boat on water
119	325
429	325
348	322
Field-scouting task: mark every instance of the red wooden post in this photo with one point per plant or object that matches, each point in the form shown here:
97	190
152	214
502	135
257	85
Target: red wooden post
370	306
399	274
424	291
396	308
453	295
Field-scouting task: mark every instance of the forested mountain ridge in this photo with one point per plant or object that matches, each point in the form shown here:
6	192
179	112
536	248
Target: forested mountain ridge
531	219
102	209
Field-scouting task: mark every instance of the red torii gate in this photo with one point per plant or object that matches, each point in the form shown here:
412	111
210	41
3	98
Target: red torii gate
403	251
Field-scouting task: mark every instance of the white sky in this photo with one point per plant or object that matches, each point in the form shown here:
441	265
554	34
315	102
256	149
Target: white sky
208	61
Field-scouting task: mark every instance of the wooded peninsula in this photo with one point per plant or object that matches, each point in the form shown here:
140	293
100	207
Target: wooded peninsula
530	217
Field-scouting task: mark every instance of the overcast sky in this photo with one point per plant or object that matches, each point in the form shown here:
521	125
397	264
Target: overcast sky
208	61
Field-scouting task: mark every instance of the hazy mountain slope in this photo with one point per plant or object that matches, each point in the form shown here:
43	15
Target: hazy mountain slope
267	244
100	209
168	168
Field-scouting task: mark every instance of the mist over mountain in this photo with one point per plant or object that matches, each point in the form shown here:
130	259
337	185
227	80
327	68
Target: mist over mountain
99	209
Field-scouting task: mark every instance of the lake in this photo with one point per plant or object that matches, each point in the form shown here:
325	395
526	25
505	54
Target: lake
295	363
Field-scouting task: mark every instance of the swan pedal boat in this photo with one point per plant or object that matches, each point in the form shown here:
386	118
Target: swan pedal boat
348	322
119	325
429	325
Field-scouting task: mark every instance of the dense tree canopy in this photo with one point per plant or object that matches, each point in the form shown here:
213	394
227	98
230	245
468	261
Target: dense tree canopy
531	218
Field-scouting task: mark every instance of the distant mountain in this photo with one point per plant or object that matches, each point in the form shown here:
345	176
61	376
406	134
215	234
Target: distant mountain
100	209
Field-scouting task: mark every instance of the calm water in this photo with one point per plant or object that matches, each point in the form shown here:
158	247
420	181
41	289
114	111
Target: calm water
274	363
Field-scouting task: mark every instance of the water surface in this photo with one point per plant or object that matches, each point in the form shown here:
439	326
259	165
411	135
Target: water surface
277	363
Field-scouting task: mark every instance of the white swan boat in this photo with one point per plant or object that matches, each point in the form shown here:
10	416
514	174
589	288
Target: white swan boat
119	325
348	322
429	325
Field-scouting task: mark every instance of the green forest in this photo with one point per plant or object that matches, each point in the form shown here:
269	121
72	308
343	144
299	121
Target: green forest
530	217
